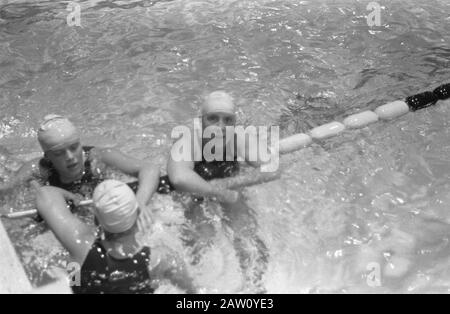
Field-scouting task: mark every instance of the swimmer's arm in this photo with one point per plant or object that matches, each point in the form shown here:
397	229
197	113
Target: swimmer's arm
74	235
166	264
147	174
250	153
254	177
148	182
30	170
185	179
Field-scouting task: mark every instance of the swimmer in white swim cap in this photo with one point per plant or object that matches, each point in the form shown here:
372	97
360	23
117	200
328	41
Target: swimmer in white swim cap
217	112
214	178
115	249
200	175
69	165
60	142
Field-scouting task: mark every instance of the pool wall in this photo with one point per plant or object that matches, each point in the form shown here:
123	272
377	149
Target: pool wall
13	279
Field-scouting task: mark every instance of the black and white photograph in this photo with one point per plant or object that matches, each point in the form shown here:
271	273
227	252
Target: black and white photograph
224	154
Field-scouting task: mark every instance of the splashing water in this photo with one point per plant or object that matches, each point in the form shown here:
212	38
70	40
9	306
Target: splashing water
372	198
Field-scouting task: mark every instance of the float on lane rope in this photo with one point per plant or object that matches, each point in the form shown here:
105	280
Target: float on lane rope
386	112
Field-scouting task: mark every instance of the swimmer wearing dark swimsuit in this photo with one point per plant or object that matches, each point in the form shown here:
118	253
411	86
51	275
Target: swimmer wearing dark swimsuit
84	186
207	170
89	180
210	170
103	274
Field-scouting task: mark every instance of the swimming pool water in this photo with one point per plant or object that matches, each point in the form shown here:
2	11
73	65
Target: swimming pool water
136	69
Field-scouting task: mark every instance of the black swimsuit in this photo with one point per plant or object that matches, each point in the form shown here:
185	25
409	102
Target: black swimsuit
215	169
208	170
103	274
86	185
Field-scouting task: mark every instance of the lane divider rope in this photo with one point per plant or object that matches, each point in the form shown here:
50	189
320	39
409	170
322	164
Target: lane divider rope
385	112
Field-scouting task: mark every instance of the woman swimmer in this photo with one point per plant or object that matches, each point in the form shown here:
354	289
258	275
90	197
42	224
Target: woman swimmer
78	169
211	178
116	262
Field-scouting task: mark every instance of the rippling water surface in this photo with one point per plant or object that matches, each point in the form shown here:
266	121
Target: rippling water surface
135	69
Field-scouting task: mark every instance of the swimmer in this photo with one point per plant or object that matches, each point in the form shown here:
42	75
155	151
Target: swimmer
78	169
114	262
204	177
209	178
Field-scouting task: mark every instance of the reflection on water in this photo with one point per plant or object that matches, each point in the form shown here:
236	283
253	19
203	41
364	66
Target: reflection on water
136	69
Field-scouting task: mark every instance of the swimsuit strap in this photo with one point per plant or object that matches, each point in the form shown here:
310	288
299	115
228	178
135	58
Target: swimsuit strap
74	187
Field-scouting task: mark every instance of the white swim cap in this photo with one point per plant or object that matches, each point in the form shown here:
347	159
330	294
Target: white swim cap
218	101
116	207
55	132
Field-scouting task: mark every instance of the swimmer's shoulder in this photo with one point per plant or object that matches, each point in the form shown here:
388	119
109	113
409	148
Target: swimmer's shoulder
189	138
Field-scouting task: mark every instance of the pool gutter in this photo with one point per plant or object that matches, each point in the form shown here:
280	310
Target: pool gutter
13	279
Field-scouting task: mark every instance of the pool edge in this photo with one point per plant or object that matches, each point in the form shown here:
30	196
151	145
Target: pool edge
13	279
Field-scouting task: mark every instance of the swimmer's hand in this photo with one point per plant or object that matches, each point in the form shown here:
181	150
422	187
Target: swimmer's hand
219	185
145	220
222	192
245	180
228	197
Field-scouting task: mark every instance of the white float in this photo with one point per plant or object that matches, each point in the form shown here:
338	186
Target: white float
294	143
392	110
360	120
327	130
388	111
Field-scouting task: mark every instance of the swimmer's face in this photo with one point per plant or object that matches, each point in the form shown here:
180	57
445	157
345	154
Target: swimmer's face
68	160
219	120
